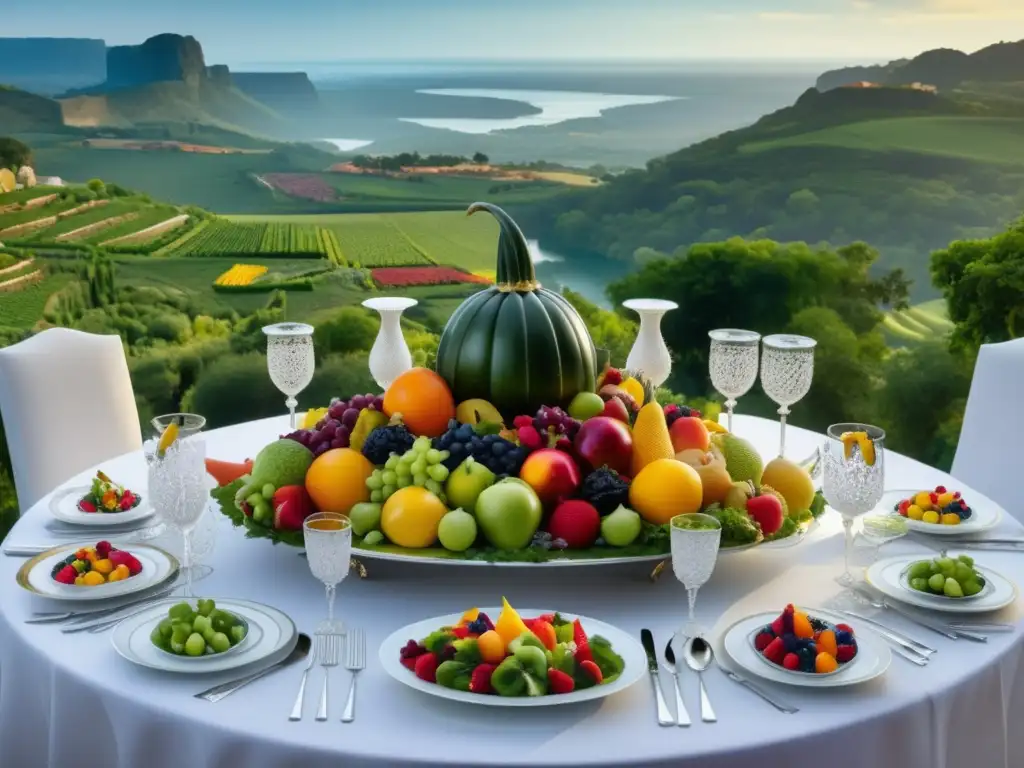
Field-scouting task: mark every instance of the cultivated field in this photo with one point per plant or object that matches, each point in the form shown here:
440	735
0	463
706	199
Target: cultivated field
919	323
995	140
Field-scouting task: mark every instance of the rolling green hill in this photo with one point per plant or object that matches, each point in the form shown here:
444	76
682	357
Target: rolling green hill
21	111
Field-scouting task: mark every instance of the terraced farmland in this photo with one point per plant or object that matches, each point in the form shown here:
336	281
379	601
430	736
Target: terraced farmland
919	323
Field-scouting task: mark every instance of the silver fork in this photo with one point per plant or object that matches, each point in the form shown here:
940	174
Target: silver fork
296	714
330	651
355	661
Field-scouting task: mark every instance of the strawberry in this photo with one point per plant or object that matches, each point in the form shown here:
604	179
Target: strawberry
561	682
791	661
426	667
134	566
66	575
544	632
118	557
904	506
127	500
762	640
576	522
292	506
844	628
775	652
579	637
480	680
548	617
461	633
933	498
522	421
777	627
594	671
611	376
940	489
103	549
86	506
845	653
530	438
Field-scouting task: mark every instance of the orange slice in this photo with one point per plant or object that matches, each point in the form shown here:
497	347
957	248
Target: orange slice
862	441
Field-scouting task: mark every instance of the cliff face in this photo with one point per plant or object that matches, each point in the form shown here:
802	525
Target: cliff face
21	111
51	64
279	90
159	59
219	75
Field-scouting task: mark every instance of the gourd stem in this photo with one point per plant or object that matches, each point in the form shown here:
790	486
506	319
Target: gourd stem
515	270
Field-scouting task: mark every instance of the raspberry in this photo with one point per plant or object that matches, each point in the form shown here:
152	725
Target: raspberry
409	662
530	438
426	667
791	661
412	649
845	653
480	680
560	682
844	628
762	640
940	489
103	549
522	421
592	670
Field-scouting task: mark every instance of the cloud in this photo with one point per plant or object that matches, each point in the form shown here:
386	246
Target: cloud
790	16
944	10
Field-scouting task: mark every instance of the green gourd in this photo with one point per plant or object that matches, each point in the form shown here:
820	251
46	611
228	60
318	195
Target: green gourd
516	344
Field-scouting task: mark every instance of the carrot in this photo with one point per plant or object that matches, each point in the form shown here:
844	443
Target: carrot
226	472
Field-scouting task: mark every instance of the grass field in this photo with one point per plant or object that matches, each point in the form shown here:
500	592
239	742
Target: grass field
147	217
919	323
994	140
458	190
394	239
24	308
84	219
27	215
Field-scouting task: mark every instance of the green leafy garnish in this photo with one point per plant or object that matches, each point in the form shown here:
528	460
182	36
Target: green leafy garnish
818	505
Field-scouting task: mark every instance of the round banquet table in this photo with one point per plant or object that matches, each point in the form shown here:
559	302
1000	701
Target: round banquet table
71	700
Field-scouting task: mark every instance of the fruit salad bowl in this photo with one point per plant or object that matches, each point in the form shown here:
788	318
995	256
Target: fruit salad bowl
147	567
815	652
946	579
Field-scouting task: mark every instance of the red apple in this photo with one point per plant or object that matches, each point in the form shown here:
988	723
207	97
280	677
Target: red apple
689	433
767	512
603	441
614	408
552	474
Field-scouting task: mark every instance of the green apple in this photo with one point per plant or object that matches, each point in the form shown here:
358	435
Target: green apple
467	482
586	405
365	517
621	527
457	530
508	513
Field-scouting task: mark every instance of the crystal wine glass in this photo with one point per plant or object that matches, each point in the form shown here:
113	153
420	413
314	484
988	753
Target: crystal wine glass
290	360
328	539
188	423
695	540
179	492
733	364
787	368
853	480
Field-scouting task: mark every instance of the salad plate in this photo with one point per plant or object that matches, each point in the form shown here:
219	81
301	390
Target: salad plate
271	636
36	575
985	514
64	506
872	659
634	662
889	576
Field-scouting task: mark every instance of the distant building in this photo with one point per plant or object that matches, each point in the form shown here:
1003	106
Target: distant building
923	87
50	181
861	84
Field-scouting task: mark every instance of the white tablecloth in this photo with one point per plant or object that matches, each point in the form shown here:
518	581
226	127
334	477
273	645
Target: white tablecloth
70	700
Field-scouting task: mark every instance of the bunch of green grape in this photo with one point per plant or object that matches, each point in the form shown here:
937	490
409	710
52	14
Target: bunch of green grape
420	466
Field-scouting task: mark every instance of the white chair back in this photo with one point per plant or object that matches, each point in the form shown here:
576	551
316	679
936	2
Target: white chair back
988	455
67	404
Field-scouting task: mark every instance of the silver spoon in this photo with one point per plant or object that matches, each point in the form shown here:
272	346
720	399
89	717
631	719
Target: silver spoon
698	655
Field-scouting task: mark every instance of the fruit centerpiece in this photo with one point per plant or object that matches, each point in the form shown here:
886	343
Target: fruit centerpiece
540	463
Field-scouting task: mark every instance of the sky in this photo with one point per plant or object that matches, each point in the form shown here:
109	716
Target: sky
243	31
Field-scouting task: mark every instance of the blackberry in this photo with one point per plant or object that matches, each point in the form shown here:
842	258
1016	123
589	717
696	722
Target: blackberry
499	455
605	490
673	412
383	441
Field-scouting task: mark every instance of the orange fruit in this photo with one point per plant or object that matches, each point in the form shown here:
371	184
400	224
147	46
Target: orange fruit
423	399
827	642
665	488
411	516
825	662
336	480
802	627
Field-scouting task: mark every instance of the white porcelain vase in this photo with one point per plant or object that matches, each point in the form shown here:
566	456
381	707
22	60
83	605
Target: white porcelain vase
390	356
649	354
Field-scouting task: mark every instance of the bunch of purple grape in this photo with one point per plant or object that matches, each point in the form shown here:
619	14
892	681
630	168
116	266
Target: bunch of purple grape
558	420
334	429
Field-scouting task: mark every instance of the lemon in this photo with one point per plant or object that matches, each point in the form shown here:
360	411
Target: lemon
635	389
862	441
313	415
167	438
411	516
931	516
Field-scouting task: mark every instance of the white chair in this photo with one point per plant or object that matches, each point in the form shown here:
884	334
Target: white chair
988	455
67	404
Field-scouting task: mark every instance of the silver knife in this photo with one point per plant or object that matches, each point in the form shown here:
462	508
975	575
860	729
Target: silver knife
783	707
900	639
937	628
647	640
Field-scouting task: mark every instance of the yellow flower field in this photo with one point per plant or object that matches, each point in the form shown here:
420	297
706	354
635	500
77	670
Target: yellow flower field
241	274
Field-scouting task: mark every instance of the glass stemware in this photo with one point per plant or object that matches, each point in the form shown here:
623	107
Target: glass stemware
787	368
695	540
879	530
853	481
328	539
290	360
178	490
188	423
732	363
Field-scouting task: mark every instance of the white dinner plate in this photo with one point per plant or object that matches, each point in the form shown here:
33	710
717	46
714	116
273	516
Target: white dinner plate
985	515
887	577
272	636
872	659
64	507
632	653
158	567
